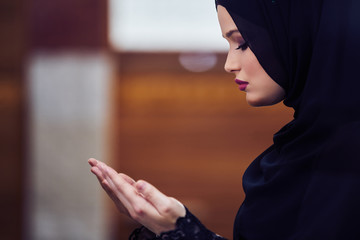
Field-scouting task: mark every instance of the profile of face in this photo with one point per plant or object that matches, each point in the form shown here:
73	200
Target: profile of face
260	89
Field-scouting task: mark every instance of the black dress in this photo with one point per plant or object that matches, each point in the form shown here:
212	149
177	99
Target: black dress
307	184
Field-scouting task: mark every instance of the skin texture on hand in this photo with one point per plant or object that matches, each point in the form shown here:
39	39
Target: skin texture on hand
138	199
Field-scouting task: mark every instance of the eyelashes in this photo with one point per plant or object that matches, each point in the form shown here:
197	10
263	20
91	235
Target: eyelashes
243	46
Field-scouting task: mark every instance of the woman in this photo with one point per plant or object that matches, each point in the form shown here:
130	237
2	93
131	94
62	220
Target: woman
307	184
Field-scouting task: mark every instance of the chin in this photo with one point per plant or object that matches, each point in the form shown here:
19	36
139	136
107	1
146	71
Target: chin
261	102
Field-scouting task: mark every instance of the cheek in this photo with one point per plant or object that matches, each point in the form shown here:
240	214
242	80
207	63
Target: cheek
264	91
252	67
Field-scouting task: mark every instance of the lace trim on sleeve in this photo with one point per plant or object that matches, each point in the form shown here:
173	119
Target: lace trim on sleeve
187	228
190	228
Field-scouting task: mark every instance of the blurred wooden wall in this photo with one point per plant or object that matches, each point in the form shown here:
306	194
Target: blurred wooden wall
190	134
12	52
67	25
27	27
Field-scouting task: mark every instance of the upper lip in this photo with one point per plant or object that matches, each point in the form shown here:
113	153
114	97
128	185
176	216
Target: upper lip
238	81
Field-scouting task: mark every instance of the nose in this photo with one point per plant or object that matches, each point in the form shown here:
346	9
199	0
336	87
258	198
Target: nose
232	64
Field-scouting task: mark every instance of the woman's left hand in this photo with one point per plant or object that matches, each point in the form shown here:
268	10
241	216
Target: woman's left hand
139	199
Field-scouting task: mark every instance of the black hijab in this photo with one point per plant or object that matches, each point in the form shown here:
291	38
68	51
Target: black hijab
307	184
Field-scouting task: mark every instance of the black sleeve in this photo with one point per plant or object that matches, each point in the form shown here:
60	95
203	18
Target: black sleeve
187	228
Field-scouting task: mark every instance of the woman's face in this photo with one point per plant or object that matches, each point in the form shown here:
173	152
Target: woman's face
260	89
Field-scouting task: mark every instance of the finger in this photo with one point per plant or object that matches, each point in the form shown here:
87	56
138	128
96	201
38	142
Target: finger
119	182
162	203
116	184
105	168
151	193
122	186
114	198
98	173
137	206
127	178
102	180
107	171
92	162
105	185
113	176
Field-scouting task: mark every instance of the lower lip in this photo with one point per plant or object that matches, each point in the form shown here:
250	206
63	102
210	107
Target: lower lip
243	86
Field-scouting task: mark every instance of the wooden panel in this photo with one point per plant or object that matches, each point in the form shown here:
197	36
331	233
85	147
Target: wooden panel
190	134
12	49
11	153
68	24
12	36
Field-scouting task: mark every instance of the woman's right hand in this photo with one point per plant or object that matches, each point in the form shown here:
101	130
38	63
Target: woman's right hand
139	199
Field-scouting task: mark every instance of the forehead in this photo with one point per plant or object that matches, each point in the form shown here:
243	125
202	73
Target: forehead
225	20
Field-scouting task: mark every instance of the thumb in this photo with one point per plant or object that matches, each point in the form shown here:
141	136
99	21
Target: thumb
151	194
163	204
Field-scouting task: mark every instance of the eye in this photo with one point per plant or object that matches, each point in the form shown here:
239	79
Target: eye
243	46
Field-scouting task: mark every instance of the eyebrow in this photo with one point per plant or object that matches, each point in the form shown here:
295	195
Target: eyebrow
229	33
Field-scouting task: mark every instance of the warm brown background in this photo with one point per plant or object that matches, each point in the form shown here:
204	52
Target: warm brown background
190	134
12	111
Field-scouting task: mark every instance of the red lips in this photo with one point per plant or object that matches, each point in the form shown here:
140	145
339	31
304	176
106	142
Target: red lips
242	84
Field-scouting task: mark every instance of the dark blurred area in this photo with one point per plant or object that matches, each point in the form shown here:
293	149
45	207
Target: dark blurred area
12	113
191	134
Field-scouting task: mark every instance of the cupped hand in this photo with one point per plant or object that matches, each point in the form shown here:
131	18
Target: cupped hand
138	199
